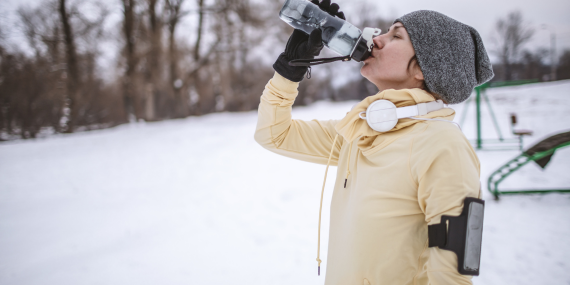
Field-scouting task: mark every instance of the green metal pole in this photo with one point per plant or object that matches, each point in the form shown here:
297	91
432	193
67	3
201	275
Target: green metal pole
478	104
484	94
465	110
534	191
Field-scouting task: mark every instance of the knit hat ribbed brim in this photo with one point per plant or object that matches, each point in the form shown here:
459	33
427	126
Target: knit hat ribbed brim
450	54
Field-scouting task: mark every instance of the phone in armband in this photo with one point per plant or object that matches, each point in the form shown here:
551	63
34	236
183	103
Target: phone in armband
462	235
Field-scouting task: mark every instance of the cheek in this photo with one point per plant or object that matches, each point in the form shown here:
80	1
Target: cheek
379	69
394	65
371	70
390	65
396	61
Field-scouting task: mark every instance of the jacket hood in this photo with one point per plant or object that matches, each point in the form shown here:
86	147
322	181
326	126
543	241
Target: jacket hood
352	126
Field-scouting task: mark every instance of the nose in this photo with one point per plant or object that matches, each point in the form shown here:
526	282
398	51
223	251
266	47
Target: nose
378	42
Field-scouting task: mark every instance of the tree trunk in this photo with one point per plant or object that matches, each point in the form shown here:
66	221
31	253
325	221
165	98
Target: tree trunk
129	77
196	75
176	83
153	68
72	68
199	34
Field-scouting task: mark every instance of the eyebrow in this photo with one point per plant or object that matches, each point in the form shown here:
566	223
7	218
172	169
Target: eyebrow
397	27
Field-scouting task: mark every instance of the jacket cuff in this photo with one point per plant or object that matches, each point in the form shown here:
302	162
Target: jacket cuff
283	87
283	83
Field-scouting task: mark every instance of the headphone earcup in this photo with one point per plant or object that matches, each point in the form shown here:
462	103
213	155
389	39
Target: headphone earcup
381	115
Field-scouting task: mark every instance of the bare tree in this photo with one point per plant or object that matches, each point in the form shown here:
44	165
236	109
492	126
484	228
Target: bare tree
59	86
153	70
563	71
31	107
163	76
531	64
200	29
194	75
173	17
511	33
128	83
73	84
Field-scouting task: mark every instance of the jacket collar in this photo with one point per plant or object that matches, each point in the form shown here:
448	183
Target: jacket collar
352	126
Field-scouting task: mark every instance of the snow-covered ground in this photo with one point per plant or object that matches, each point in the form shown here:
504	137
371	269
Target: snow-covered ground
197	201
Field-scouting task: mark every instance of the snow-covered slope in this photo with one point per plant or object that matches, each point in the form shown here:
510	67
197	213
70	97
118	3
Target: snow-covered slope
197	201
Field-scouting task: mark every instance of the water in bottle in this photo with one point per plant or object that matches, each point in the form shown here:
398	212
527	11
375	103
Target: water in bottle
338	35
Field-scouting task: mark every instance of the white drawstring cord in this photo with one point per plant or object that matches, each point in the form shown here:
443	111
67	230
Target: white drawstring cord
321	207
348	165
424	119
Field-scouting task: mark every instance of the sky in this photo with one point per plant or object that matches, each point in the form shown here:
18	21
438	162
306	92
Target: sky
481	15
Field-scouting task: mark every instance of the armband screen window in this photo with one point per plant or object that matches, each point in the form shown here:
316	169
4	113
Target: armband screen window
474	236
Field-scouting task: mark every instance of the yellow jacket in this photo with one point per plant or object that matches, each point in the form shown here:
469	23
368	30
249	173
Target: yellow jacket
398	182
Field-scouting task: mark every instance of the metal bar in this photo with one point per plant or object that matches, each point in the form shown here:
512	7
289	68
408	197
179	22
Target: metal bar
482	88
534	191
493	115
478	104
465	110
499	149
510	83
496	148
515	141
511	170
562	145
497	145
493	185
548	152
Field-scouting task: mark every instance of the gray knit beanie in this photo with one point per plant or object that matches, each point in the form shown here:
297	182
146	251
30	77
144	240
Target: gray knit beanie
450	54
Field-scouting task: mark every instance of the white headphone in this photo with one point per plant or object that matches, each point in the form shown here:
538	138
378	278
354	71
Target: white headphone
382	115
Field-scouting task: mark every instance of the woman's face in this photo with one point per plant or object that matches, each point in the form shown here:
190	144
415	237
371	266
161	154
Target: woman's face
387	66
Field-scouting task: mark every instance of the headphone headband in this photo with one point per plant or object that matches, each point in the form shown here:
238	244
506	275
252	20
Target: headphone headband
382	115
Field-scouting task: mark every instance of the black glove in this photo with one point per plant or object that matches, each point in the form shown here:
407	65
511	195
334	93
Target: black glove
303	46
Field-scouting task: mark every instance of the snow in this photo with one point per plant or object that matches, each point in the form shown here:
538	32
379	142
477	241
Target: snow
197	201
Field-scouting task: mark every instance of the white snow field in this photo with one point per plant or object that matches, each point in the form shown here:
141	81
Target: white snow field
197	201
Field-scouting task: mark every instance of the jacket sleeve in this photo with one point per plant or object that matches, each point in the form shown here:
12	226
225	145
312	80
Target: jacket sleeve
310	141
447	171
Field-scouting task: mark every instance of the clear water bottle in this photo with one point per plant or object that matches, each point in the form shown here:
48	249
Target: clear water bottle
338	34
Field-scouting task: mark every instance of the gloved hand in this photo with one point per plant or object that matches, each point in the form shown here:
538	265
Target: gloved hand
303	46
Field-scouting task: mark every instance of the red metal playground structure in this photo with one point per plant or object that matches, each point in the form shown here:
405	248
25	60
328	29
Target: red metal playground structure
540	153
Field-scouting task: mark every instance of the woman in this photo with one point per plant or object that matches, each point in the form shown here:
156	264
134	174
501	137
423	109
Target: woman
390	186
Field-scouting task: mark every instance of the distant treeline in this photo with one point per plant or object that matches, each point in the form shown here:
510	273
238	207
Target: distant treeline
223	67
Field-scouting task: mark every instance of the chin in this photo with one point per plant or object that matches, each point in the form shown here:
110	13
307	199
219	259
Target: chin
364	70
367	72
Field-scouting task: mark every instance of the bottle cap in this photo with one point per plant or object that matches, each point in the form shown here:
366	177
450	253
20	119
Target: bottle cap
363	47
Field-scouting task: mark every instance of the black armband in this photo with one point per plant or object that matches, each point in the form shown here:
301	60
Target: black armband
462	235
